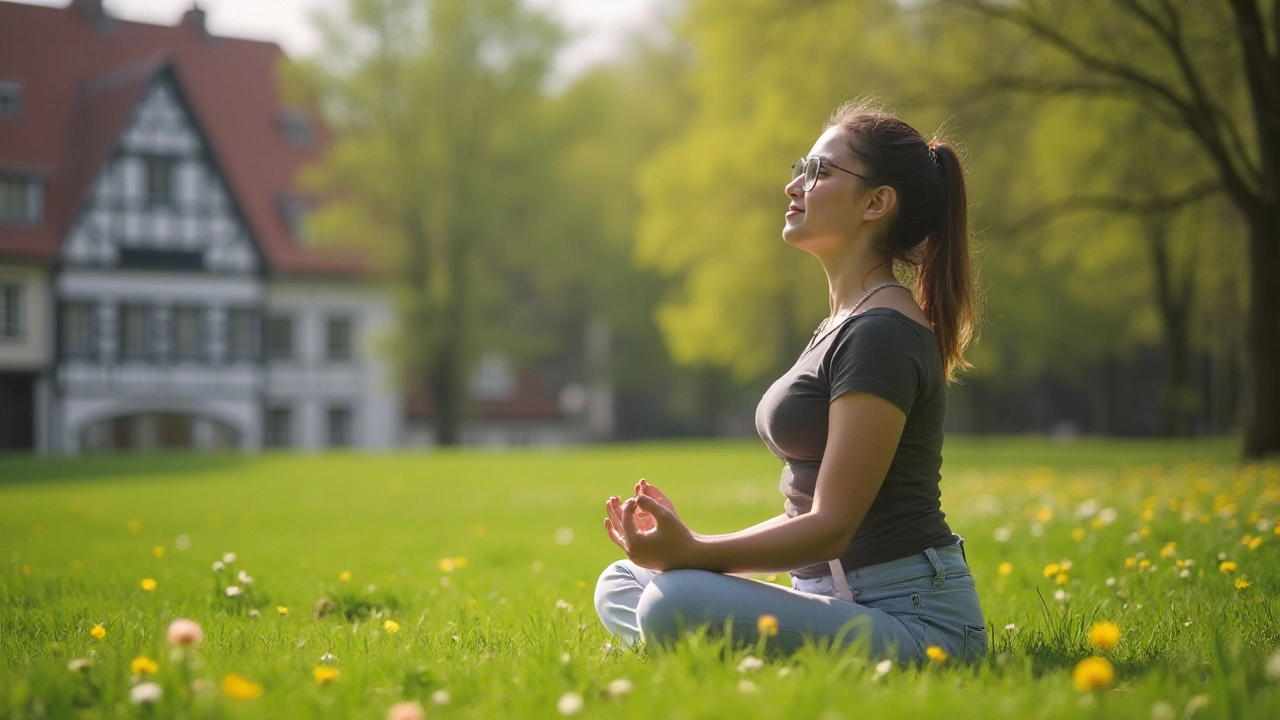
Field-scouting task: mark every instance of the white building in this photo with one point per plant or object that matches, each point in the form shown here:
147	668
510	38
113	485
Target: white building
155	287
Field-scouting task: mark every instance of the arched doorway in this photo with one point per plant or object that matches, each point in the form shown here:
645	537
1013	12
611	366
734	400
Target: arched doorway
158	431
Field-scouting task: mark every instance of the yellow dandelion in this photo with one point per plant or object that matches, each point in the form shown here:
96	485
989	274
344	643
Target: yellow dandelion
345	576
1077	534
1093	673
148	584
767	625
237	687
1254	543
1144	532
1097	523
936	654
391	626
157	551
1130	563
446	565
1227	567
282	610
1276	529
98	632
1241	583
26	570
324	674
1148	514
143	665
1061	578
1104	635
1169	550
1052	569
582	584
1004	568
459	562
1143	564
1044	514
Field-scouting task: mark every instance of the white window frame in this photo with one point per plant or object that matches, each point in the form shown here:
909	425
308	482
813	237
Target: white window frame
12	311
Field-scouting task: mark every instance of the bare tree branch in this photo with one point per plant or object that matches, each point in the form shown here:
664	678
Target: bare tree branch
1116	204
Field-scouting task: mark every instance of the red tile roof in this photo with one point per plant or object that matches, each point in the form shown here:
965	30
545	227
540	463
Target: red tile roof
79	83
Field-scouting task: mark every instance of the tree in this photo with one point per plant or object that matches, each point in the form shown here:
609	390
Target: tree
1165	57
437	107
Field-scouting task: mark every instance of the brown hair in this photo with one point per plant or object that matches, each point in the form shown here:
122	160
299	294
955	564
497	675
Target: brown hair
929	238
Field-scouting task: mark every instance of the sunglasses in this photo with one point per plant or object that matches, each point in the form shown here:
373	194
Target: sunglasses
810	167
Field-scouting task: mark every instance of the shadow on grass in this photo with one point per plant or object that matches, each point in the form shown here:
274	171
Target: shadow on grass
24	469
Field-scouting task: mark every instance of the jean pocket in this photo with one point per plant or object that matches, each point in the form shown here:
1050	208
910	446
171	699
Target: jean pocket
975	642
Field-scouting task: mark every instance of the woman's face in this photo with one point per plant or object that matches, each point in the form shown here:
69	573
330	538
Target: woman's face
826	216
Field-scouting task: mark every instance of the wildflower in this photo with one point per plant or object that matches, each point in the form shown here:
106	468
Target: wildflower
1143	564
98	632
1272	670
1169	550
564	535
1104	635
232	591
143	665
1061	578
565	658
440	697
1061	596
157	552
185	632
459	562
446	565
1093	673
882	668
243	578
1004	568
1254	543
1044	514
562	605
1052	569
79	665
619	687
282	610
345	576
1163	711
145	693
746	687
324	674
1241	583
1011	627
750	663
767	626
391	626
182	542
148	584
570	704
254	613
328	658
408	710
1227	567
1003	534
218	566
1077	534
229	558
1194	704
936	654
240	688
1144	532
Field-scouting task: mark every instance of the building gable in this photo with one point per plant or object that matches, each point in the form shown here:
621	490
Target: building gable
159	200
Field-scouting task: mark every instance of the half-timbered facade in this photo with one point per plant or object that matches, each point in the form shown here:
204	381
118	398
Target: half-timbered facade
155	288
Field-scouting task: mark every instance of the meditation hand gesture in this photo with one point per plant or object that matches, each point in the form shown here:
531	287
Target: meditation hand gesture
648	529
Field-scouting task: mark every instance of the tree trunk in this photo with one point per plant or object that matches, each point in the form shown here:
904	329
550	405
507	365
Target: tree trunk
1174	303
1262	336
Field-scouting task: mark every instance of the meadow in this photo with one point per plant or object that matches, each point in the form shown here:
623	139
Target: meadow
463	580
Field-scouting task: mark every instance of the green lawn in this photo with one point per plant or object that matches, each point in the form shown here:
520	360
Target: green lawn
510	629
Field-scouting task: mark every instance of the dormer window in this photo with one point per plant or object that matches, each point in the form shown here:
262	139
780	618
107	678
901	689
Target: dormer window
159	181
295	211
10	99
21	200
296	126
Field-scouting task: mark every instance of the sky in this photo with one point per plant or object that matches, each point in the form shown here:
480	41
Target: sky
597	26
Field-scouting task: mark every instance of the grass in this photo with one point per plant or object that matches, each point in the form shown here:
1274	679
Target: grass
509	629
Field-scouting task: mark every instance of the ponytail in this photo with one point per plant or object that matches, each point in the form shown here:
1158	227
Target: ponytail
944	285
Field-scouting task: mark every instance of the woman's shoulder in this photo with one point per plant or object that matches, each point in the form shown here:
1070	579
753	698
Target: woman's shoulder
883	324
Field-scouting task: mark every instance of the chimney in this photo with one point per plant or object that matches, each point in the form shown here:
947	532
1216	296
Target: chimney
194	19
93	13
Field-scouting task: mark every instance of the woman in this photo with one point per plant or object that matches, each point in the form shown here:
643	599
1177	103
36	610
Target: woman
857	420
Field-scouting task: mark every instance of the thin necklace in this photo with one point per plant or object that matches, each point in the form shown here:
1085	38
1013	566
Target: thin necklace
849	313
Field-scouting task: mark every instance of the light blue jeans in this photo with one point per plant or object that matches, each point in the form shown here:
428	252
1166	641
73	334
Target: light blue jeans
899	608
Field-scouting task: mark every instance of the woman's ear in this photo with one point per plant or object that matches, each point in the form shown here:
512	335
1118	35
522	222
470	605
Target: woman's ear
880	203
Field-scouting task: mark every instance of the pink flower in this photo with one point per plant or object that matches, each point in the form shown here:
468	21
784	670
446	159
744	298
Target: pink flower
408	710
185	632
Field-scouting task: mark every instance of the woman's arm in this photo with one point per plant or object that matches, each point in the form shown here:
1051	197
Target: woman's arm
862	438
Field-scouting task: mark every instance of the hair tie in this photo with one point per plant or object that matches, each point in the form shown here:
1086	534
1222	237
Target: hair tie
933	152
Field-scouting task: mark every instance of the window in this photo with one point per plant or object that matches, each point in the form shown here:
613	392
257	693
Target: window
338	338
339	426
279	427
280	337
242	334
296	126
295	211
79	329
159	181
187	324
10	99
135	332
21	200
10	312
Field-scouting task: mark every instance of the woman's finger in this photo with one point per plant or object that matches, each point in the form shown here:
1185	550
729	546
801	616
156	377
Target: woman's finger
629	518
613	534
615	512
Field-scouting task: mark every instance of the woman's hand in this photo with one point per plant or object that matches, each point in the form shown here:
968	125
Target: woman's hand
667	544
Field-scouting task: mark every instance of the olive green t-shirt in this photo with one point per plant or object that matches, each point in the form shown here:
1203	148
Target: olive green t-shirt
883	352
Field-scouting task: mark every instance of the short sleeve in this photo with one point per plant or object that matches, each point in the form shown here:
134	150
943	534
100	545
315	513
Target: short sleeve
879	355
